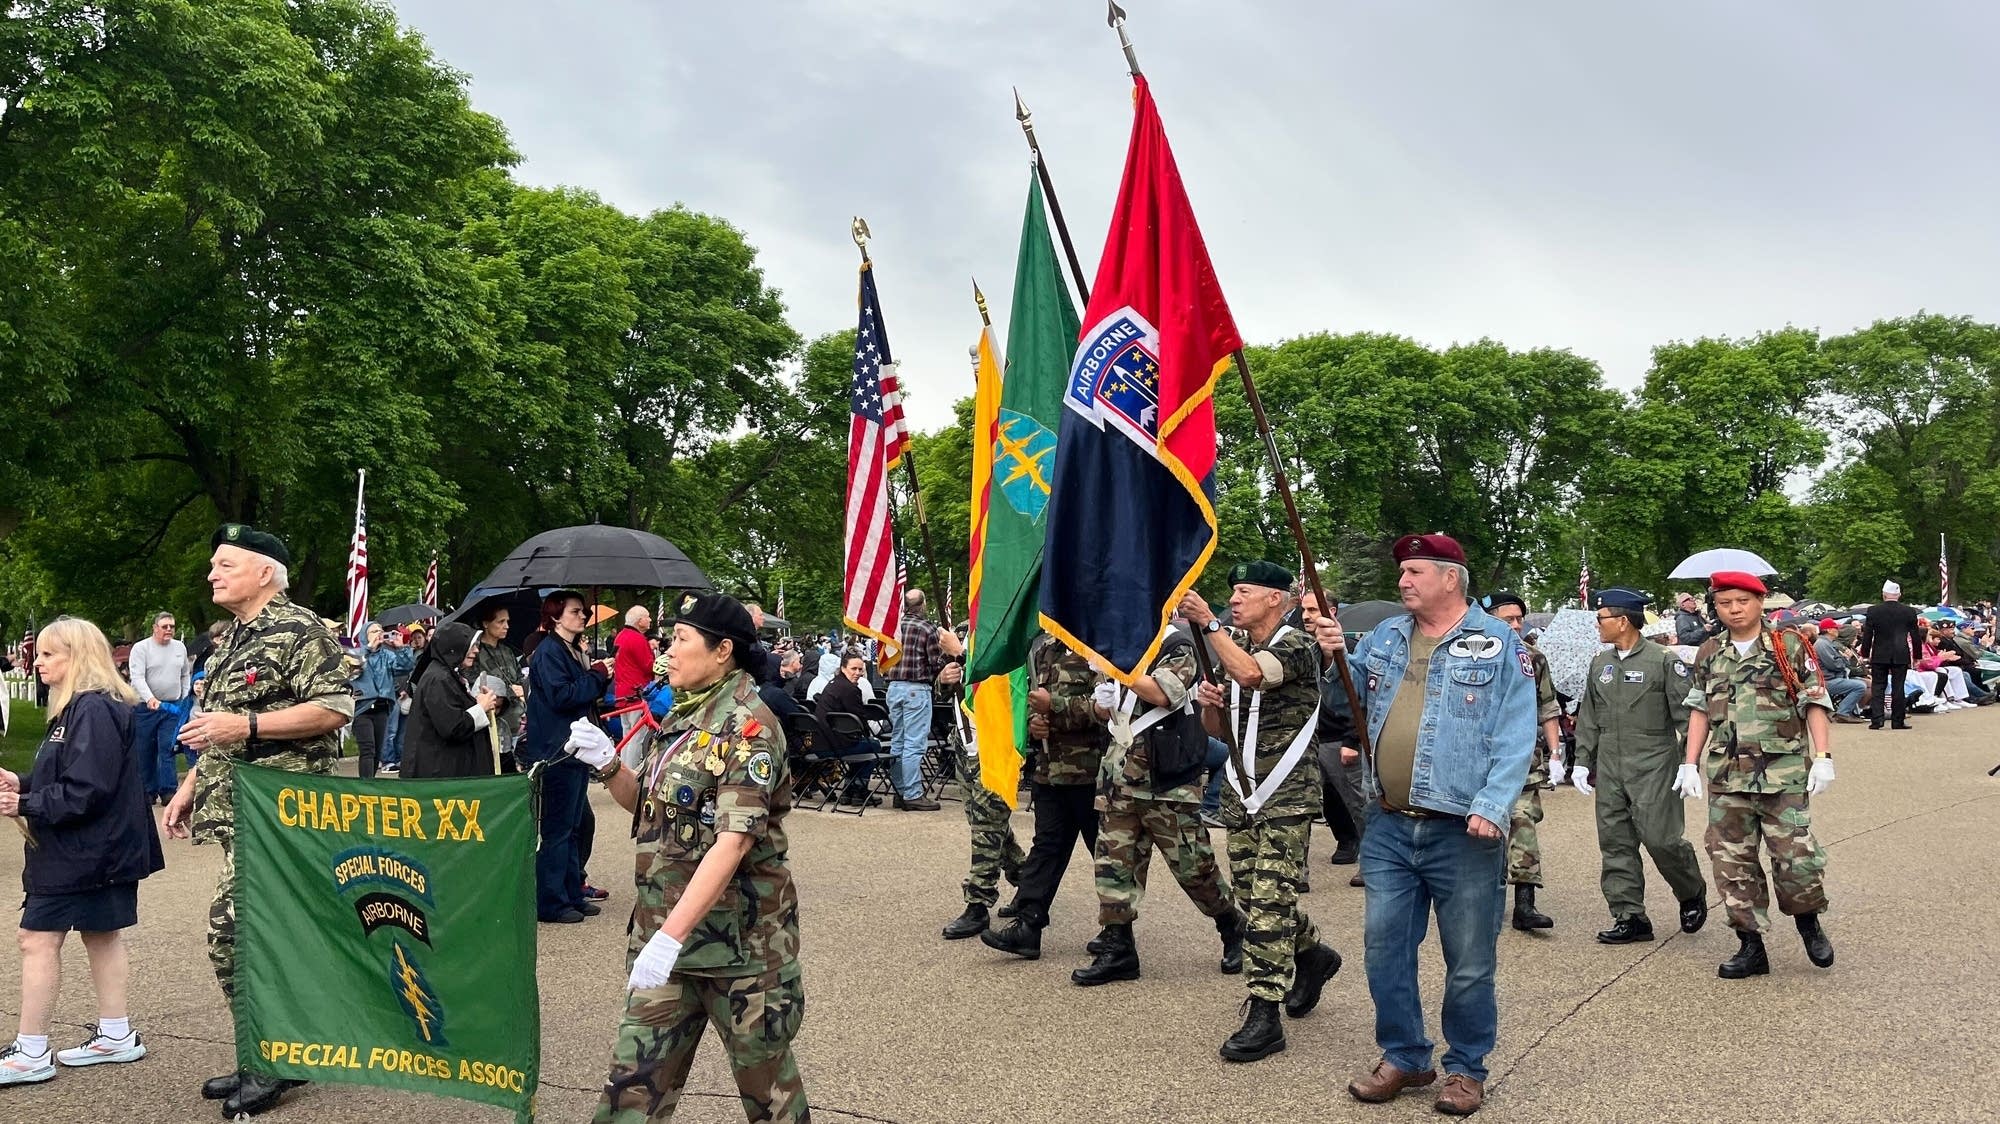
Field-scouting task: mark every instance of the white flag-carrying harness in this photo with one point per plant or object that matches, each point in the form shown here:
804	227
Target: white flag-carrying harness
1294	753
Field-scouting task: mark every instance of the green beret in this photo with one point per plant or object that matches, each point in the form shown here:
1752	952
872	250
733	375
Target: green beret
253	540
1263	573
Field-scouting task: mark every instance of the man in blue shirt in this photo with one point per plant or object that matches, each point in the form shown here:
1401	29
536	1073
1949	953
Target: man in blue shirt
1449	696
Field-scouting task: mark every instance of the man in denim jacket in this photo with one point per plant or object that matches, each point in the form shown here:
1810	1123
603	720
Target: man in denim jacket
1449	696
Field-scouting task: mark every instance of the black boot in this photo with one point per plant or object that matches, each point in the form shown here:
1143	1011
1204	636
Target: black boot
1628	930
1012	908
1694	914
1819	950
256	1093
1231	927
1101	943
1526	916
971	923
1310	971
1748	961
1021	939
1118	961
1346	852
221	1088
1262	1034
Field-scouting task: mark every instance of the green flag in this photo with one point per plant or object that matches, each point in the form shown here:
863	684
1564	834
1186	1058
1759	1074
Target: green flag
1041	335
386	933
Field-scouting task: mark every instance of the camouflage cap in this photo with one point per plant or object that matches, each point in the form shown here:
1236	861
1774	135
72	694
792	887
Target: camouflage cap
249	538
1262	573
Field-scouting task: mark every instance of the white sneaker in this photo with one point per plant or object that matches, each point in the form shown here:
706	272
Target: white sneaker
101	1049
17	1068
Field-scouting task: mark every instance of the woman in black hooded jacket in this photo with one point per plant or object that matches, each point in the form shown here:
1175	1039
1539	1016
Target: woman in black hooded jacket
447	724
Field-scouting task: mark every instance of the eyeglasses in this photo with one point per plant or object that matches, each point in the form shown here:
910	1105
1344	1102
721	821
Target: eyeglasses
1612	617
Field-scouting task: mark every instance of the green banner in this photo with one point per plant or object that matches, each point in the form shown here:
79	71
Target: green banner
386	933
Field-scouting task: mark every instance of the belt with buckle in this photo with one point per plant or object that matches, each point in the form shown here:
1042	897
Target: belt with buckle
1416	813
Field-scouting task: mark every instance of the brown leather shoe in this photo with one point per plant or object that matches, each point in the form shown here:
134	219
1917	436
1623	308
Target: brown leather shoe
1356	881
1386	1081
1460	1096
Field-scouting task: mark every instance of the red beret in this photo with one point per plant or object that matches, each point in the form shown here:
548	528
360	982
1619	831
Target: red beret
1736	579
1432	547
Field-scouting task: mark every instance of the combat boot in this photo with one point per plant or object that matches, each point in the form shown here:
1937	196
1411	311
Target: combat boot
1310	971
221	1088
1526	916
1101	943
971	923
1118	961
1819	950
1232	927
1021	939
1694	914
256	1093
1012	908
1262	1034
1748	961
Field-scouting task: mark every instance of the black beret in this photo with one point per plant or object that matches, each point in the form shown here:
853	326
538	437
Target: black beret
1494	600
253	540
721	616
1262	573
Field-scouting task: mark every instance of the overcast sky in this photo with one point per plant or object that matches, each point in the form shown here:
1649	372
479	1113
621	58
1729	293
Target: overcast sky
1602	177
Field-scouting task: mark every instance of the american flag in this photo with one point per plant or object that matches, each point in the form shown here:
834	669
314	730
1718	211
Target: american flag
357	566
1583	582
874	577
781	600
1944	575
431	583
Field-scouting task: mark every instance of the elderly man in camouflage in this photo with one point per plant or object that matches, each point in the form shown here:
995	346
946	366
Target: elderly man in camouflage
277	695
1524	845
1760	723
1273	706
1140	810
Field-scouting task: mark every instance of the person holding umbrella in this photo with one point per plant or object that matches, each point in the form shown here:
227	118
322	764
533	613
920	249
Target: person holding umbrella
563	688
715	930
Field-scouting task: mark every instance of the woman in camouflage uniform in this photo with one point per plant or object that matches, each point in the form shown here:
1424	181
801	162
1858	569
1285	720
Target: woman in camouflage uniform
715	931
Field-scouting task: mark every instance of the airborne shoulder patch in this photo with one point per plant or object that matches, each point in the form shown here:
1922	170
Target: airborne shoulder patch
1527	663
759	767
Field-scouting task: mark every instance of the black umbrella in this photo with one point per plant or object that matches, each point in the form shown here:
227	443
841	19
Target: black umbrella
596	556
1365	616
407	614
524	611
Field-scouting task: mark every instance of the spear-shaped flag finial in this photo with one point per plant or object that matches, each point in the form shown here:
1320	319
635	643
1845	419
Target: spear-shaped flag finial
1116	18
1026	117
979	298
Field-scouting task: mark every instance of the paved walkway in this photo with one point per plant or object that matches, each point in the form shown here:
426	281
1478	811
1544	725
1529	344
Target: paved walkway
908	1028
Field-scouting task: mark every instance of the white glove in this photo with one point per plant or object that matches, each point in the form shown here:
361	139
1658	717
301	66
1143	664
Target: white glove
1687	782
654	963
1580	777
1105	695
1558	771
1821	777
589	744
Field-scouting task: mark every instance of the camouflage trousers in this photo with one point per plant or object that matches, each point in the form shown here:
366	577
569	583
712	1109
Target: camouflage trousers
756	1017
1524	847
1128	829
222	922
995	851
1267	860
1737	821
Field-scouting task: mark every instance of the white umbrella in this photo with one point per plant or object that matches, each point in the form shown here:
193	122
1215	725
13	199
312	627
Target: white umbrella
1707	562
1569	641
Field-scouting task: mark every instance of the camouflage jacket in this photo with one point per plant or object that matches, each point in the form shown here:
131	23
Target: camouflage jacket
280	658
1757	740
1293	703
1546	708
719	766
1077	736
1128	767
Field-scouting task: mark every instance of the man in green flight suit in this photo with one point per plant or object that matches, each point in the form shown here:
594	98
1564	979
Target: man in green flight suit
1524	846
1271	795
1629	726
1760	732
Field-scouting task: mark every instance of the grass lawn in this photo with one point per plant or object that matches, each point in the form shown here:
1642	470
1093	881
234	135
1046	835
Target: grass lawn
17	749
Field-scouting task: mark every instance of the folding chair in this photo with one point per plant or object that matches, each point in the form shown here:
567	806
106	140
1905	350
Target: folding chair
815	769
846	730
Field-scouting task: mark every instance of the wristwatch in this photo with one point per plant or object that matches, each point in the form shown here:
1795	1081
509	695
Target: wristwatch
1214	625
604	775
253	726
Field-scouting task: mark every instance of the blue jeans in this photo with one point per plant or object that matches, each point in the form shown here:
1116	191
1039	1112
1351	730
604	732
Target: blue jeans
391	751
909	734
558	862
153	744
1848	695
1411	866
1211	797
859	772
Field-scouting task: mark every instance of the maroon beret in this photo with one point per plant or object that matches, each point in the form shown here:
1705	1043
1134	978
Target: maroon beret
1432	547
1736	579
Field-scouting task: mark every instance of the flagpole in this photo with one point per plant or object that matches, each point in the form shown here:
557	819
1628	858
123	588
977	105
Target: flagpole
1116	19
860	233
1027	119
